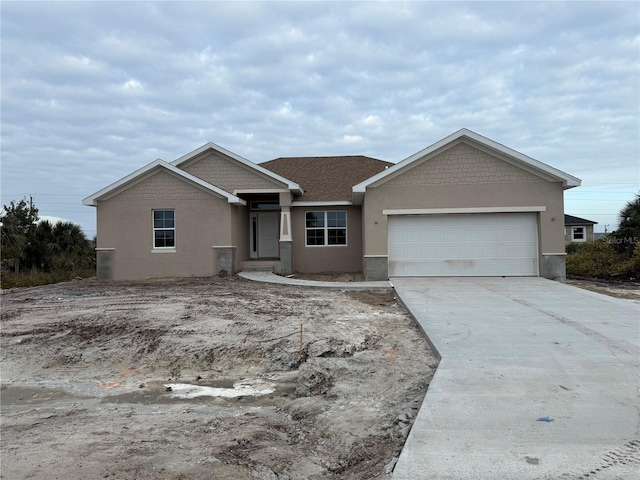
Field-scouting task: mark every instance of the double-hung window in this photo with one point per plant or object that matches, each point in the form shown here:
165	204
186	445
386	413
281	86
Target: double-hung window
578	234
326	228
164	229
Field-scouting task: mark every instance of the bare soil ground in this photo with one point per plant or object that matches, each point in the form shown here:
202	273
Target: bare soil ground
85	364
627	289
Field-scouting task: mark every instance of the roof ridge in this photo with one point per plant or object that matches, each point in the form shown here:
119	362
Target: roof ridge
328	156
321	157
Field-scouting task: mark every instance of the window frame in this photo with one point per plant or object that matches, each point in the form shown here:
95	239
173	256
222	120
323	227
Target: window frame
326	228
154	229
580	230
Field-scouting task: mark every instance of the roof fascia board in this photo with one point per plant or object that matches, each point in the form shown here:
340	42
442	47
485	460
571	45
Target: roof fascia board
292	186
568	181
261	190
141	173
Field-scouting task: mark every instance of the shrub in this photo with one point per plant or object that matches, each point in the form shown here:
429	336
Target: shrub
33	278
573	248
631	266
600	259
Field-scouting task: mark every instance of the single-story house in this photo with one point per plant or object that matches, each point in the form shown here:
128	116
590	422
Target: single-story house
578	229
465	206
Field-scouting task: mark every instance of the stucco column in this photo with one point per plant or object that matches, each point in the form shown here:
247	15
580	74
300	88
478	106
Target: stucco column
286	241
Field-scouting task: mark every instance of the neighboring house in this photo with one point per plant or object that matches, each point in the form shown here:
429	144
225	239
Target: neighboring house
465	206
578	229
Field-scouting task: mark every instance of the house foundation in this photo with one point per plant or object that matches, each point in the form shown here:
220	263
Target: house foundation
286	258
224	261
376	267
553	266
105	258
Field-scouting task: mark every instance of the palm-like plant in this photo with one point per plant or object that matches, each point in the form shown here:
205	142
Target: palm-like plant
628	233
71	246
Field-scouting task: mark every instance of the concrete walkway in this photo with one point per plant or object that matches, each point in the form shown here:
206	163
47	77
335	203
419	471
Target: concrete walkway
538	380
269	277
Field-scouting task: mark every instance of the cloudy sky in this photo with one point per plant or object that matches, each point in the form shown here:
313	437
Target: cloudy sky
92	91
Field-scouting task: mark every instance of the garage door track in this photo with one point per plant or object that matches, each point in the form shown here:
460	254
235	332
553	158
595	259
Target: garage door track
538	380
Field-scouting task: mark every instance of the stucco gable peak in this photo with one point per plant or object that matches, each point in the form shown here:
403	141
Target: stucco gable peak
514	157
159	164
210	146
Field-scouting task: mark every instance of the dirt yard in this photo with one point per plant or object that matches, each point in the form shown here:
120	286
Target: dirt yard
629	290
102	380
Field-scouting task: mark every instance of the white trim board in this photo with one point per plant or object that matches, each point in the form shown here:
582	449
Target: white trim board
445	211
336	203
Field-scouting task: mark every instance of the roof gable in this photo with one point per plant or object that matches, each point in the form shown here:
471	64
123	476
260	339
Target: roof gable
148	170
509	155
462	164
191	161
327	179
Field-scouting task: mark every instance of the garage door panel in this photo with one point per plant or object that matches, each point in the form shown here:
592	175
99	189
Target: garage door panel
463	245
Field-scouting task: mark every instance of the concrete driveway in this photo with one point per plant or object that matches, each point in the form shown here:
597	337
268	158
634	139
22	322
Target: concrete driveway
538	380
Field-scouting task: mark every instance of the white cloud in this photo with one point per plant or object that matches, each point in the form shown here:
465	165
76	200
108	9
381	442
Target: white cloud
352	138
372	121
286	110
132	86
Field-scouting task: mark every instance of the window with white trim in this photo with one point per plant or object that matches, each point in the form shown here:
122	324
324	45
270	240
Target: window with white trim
578	234
326	228
164	229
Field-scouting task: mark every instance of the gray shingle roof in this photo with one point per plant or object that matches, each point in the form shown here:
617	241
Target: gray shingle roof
571	220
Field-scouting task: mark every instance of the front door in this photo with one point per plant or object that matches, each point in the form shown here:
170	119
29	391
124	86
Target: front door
267	237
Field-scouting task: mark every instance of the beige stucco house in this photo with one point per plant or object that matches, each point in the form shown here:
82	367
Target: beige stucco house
465	206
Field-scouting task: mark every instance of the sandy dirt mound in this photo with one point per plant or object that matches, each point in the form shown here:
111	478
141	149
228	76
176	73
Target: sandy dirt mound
88	369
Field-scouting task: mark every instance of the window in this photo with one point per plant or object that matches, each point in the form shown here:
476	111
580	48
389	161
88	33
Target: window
326	228
578	234
164	229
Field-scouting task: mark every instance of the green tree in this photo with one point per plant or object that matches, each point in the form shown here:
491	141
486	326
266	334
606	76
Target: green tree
72	250
627	235
18	223
38	253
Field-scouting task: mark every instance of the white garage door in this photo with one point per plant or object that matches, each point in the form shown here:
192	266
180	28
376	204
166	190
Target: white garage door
480	244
